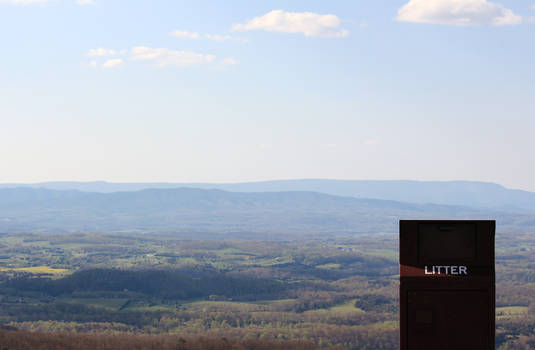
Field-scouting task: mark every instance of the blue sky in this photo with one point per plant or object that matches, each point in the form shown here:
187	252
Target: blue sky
224	91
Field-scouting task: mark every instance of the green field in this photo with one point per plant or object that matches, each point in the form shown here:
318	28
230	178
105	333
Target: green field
36	270
224	306
511	311
296	290
106	303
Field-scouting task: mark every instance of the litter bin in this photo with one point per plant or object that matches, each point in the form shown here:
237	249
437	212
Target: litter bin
447	285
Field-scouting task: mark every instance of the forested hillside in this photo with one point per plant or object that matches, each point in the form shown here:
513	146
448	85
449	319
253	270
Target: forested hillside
476	194
215	214
327	292
20	340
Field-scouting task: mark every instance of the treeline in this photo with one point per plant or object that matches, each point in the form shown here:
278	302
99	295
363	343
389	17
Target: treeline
70	312
164	284
67	315
351	337
18	340
377	303
516	333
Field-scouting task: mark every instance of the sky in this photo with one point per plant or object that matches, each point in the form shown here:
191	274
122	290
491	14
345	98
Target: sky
250	90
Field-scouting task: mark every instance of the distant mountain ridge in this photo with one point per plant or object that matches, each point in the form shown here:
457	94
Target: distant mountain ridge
200	213
481	195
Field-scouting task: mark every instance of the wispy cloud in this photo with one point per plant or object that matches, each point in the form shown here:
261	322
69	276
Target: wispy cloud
185	34
226	37
159	57
458	13
100	52
112	63
196	36
307	23
229	62
85	2
163	57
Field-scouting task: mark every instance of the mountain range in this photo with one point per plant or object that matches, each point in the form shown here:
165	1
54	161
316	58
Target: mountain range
214	213
465	193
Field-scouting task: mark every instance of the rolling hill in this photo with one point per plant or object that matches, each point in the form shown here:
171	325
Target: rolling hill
199	213
481	195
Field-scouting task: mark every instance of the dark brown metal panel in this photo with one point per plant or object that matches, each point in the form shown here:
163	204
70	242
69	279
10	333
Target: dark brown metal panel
448	320
403	321
428	241
486	233
492	314
443	242
408	246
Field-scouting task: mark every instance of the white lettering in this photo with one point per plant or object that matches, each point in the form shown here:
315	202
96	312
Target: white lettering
446	270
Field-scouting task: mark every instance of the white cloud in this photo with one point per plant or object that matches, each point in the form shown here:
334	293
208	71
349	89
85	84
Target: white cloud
163	57
226	63
101	52
85	2
229	62
24	2
533	7
112	63
308	23
226	37
196	36
218	37
185	34
457	13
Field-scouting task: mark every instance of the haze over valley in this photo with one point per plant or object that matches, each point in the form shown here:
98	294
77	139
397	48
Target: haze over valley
264	210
